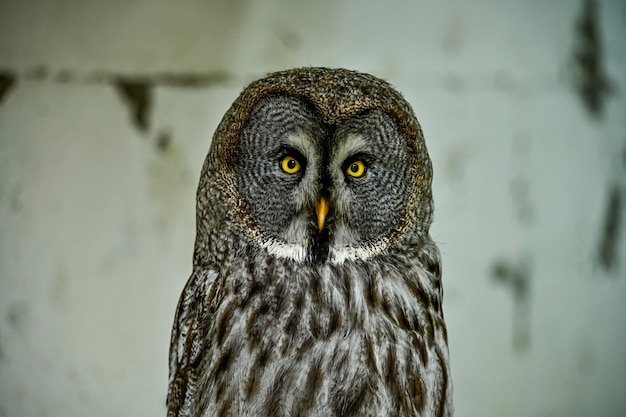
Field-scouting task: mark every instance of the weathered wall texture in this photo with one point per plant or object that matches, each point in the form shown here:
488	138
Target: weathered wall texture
107	110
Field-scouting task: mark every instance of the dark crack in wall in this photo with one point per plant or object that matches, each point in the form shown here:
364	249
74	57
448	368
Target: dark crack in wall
163	141
590	79
138	96
137	91
7	80
611	230
516	277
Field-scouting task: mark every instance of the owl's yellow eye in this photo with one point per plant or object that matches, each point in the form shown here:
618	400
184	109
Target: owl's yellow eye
356	169
290	165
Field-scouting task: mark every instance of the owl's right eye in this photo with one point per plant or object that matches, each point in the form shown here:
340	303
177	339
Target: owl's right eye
290	165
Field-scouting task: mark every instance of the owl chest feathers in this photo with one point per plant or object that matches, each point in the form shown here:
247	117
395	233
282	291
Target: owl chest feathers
359	338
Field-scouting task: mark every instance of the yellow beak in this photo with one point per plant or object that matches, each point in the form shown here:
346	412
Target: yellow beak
322	210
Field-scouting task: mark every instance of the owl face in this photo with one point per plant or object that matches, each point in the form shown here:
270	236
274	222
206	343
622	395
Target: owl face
320	192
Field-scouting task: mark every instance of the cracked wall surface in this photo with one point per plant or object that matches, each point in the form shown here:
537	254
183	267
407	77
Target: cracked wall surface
107	109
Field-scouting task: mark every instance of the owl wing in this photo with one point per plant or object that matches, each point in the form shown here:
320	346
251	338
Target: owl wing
186	342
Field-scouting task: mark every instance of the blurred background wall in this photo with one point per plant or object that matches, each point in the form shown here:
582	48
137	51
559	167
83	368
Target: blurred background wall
107	109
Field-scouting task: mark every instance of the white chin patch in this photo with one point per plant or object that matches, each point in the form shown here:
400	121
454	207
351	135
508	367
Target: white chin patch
298	252
293	245
339	255
294	251
346	246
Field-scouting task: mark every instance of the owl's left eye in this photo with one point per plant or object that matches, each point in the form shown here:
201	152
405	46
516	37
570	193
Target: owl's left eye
356	169
290	165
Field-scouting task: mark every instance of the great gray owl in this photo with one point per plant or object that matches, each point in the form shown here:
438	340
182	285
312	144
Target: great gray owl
316	288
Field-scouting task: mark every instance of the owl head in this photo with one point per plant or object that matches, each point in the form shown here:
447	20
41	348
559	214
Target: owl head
315	165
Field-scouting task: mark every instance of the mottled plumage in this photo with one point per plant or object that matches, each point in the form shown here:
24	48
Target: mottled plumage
292	313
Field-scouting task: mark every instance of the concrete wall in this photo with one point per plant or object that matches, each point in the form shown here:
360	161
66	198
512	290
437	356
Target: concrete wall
107	110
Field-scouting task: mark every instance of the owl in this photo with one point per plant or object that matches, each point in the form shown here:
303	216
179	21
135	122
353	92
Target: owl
316	288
